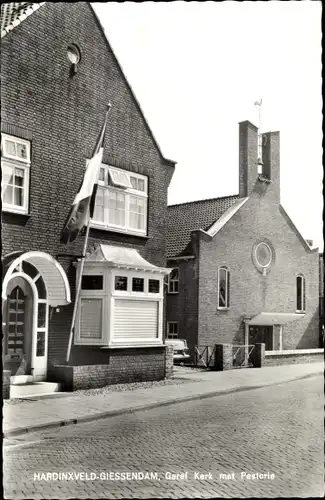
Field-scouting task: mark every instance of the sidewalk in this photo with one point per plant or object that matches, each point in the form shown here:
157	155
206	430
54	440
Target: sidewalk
73	408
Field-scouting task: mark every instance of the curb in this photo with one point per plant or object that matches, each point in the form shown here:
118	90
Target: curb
18	431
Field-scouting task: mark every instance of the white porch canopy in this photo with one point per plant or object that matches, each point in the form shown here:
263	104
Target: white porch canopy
54	276
122	257
269	318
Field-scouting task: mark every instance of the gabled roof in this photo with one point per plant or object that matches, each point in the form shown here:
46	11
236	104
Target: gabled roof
184	218
226	216
12	14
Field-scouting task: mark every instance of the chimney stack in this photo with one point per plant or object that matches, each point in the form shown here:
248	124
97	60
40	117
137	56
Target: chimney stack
271	162
248	136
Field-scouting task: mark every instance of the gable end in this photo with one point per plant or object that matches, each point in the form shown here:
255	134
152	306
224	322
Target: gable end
296	231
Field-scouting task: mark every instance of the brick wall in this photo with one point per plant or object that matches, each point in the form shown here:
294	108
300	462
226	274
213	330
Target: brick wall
169	361
62	114
6	384
123	366
250	291
293	359
183	307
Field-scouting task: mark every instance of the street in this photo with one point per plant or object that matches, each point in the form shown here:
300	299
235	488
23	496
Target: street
257	443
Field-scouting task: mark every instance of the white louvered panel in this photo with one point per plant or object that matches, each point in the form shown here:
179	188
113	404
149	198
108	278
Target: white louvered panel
91	319
135	319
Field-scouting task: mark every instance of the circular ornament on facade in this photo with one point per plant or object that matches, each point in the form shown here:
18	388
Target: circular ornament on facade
263	256
73	54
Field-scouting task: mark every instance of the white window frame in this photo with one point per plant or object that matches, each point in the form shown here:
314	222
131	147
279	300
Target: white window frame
171	283
128	192
227	287
168	333
12	162
303	294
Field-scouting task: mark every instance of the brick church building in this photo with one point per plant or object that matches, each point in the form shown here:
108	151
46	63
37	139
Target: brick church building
241	271
58	75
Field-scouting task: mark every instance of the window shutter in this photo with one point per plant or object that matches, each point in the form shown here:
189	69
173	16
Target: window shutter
228	289
91	319
135	319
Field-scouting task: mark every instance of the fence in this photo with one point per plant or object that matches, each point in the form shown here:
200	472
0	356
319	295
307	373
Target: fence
226	355
243	356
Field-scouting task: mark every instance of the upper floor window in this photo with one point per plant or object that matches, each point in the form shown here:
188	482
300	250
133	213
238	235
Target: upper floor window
223	288
15	166
300	294
121	201
173	281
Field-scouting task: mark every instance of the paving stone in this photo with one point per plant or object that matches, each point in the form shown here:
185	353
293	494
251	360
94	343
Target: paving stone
277	429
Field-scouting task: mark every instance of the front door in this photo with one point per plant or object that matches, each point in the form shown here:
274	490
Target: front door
19	324
261	335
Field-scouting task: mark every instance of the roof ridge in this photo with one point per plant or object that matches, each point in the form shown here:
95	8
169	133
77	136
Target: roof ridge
205	199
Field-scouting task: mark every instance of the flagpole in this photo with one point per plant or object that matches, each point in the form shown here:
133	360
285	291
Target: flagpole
78	288
86	194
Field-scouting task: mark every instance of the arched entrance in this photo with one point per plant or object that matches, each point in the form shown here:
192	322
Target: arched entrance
33	282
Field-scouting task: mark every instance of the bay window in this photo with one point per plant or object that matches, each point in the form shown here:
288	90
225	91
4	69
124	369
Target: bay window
15	166
121	300
121	201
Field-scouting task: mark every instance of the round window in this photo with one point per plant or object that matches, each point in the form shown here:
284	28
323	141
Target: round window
263	255
73	54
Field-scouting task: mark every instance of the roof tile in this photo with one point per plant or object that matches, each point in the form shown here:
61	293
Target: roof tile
12	14
187	217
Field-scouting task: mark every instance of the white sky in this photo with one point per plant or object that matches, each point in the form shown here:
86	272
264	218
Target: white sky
197	69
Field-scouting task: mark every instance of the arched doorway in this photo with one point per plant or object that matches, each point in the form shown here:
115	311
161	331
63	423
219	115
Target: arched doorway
33	282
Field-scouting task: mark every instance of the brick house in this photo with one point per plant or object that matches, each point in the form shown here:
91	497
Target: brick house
58	75
321	299
242	272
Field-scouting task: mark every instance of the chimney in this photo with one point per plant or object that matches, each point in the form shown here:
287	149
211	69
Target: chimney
248	134
271	162
310	242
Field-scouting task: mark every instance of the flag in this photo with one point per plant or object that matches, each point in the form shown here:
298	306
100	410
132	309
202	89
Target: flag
83	205
258	103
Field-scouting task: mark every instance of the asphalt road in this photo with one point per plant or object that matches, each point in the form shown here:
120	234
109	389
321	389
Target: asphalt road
200	449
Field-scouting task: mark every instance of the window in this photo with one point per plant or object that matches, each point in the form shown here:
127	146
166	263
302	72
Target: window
121	283
15	166
172	330
173	281
137	284
73	54
153	286
223	288
301	296
263	254
121	201
90	319
92	282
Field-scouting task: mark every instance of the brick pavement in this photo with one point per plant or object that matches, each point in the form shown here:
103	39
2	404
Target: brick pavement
77	408
277	429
